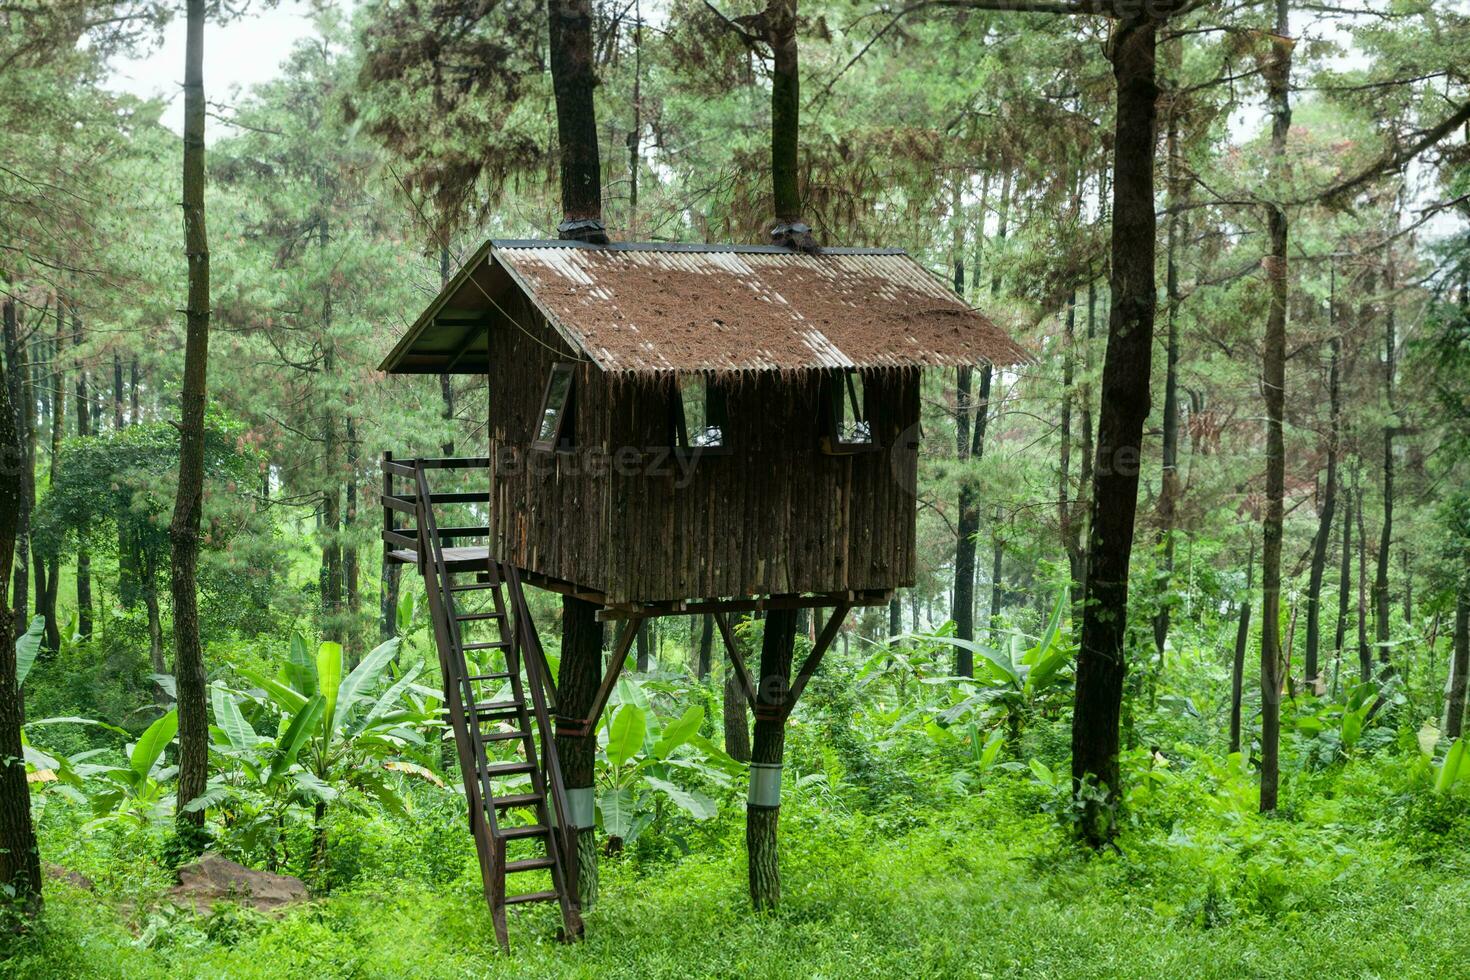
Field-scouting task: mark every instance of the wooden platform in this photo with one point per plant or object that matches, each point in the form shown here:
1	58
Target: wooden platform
466	559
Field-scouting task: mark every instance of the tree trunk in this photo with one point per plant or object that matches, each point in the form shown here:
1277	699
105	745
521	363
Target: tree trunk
1242	640
997	563
23	419
48	563
1344	583
573	79
1385	534
736	719
641	658
762	818
84	555
895	616
349	547
1125	405
1365	654
1454	716
706	644
1324	527
134	411
1273	376
20	858
579	674
780	18
1170	486
967	523
189	674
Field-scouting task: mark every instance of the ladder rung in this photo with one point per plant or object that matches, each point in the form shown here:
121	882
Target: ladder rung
529	864
519	833
506	768
499	709
497	645
475	617
516	799
531	897
503	736
470	586
503	675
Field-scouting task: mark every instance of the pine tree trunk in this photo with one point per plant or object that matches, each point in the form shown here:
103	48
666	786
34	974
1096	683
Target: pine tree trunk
579	674
1101	664
20	859
1344	583
350	572
785	110
706	644
1365	654
1459	668
1273	378
1324	528
48	564
761	821
1170	487
736	718
23	419
573	77
84	555
189	673
1380	579
1242	641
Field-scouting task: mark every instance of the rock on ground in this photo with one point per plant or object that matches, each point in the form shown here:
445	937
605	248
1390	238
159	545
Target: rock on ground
213	879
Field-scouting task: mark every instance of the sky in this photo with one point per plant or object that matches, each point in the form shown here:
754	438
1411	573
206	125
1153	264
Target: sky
238	54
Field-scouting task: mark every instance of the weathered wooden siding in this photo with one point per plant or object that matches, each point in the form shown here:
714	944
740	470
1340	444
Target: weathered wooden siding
548	511
774	515
619	515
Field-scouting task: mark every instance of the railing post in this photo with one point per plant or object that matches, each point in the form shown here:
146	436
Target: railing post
389	523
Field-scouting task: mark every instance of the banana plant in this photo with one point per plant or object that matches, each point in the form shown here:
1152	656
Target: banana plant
1007	683
637	762
138	792
334	730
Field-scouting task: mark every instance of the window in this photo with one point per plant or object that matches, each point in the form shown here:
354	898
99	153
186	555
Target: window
555	428
848	426
698	415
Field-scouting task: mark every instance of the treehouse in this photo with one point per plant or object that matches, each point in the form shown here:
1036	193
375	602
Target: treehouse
672	429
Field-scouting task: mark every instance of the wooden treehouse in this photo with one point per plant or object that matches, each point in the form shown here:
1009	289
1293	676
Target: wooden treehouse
672	430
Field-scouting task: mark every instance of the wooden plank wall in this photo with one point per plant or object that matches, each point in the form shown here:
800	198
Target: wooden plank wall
775	515
548	511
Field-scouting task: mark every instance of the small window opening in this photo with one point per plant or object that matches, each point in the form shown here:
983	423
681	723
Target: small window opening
849	426
555	428
699	420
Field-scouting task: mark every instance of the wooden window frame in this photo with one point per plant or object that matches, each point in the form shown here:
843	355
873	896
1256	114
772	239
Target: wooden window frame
678	422
837	385
562	439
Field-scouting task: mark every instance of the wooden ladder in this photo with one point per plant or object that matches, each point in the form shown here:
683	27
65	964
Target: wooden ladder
500	700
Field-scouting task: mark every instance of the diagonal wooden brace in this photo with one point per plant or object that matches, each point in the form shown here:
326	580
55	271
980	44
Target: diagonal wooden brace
785	701
582	727
737	659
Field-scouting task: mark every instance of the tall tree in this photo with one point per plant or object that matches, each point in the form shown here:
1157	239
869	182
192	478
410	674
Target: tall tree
1324	522
20	860
1125	402
189	676
1273	382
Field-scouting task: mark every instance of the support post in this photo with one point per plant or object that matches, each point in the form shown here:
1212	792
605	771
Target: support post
577	688
763	809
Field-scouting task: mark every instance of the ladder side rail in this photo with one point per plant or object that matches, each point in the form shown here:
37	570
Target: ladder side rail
550	761
432	556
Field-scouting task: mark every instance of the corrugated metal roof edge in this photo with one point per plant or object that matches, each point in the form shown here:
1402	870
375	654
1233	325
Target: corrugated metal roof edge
684	247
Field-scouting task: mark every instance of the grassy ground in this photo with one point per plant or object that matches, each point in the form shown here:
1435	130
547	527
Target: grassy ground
989	887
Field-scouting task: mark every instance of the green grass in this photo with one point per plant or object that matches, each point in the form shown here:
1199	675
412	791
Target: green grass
987	887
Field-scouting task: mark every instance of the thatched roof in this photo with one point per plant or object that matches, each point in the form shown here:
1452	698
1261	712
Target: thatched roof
650	308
